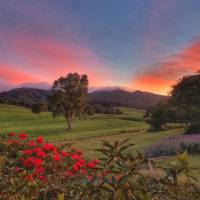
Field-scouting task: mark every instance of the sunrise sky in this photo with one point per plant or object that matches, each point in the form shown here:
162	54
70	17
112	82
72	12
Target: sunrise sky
133	44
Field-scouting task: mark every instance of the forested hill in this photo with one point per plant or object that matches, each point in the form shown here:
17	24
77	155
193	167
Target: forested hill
24	96
137	99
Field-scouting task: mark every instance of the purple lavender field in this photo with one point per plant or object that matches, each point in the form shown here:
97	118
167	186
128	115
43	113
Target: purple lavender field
173	145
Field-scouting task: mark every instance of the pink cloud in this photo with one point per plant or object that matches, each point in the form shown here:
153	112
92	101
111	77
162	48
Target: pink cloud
46	59
14	76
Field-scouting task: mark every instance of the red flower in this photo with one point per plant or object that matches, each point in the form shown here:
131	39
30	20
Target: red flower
75	156
11	134
41	178
91	164
36	150
64	154
83	171
56	157
79	153
49	147
40	140
37	162
75	167
29	162
23	136
39	170
80	163
41	154
32	162
31	143
69	173
27	152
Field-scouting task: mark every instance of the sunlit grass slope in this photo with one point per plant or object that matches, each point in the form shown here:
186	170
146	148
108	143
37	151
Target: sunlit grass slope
19	119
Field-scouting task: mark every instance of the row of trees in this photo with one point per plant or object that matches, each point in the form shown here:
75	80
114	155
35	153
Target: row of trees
183	106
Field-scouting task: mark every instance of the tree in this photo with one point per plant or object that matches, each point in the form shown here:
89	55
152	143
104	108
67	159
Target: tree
38	107
68	96
185	95
156	116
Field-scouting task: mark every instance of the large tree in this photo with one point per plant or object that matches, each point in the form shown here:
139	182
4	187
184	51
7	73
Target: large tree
68	96
156	116
185	95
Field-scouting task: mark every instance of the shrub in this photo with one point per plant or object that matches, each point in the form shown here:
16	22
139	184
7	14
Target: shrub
33	169
193	128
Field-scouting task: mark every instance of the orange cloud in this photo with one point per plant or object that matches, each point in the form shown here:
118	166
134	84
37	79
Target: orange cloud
160	77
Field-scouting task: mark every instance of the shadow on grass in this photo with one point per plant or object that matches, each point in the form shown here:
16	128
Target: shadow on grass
132	119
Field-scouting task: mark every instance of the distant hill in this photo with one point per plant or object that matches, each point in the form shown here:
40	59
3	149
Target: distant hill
24	96
138	99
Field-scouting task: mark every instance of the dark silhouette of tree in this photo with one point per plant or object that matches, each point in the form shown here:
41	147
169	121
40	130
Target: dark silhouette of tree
185	95
156	116
68	96
39	107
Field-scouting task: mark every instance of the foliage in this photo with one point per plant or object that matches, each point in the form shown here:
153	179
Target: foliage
24	96
187	90
39	107
173	145
69	96
185	96
33	169
156	116
105	108
38	170
119	97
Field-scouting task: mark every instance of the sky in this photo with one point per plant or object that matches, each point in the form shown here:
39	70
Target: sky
133	44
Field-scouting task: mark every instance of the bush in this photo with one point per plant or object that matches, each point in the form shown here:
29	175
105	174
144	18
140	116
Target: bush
39	107
193	128
33	169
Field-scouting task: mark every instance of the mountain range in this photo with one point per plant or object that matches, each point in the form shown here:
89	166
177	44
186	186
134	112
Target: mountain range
137	99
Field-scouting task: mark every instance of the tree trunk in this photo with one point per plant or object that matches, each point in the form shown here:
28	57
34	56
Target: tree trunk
69	121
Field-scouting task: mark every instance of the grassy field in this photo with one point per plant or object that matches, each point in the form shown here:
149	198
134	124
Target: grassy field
18	119
86	134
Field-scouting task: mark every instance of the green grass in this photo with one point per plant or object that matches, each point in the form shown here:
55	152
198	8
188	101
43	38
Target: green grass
87	134
18	119
140	140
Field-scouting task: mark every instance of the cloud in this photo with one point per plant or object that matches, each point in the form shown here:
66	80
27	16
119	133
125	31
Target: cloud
40	85
157	32
162	75
12	76
46	59
4	86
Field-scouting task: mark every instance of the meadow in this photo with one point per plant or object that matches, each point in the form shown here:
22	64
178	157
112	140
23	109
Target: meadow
19	119
86	133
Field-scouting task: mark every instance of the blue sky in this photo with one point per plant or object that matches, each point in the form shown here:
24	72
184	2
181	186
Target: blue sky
134	44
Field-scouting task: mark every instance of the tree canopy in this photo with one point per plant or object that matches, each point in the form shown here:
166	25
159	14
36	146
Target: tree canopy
68	96
187	91
185	95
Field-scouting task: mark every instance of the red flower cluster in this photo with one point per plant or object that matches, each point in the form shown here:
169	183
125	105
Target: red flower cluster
40	159
23	136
